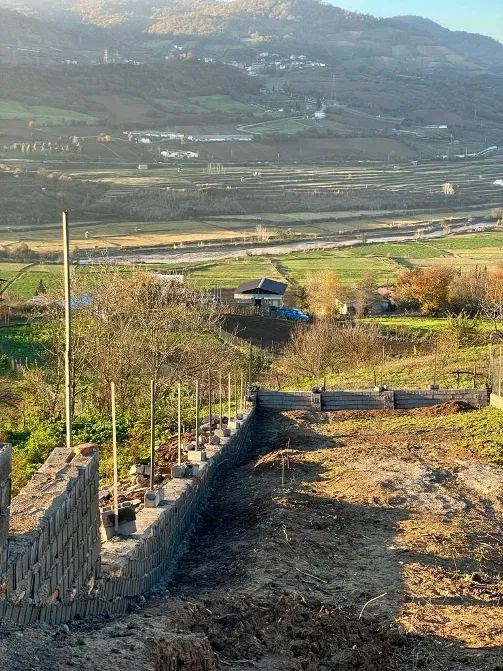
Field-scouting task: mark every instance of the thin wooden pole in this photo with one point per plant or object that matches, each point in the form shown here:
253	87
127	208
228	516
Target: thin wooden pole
241	395
114	456
197	414
179	424
210	402
235	394
152	432
499	375
229	394
221	411
250	360
68	333
435	364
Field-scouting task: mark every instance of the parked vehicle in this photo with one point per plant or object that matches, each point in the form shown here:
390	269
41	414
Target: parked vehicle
292	313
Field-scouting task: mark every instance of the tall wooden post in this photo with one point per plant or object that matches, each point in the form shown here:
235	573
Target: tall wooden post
229	395
197	414
152	432
250	360
242	393
210	404
114	456
68	333
235	394
499	375
179	424
221	409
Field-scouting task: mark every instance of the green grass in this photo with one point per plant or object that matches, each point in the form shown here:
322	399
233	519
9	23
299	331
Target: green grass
348	269
10	109
23	343
26	284
231	273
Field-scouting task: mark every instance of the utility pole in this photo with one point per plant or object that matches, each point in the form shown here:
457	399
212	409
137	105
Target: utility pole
68	333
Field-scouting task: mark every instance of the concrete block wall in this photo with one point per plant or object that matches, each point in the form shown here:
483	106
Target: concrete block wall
369	400
418	398
357	400
134	565
284	400
53	550
5	466
54	564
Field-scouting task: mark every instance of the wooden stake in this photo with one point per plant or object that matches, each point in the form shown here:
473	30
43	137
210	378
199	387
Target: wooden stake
114	456
152	432
229	397
179	424
221	409
210	402
197	414
68	333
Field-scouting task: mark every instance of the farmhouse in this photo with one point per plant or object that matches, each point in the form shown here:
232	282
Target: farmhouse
262	292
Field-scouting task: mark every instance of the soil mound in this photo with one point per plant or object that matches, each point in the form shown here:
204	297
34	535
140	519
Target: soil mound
177	652
307	635
450	408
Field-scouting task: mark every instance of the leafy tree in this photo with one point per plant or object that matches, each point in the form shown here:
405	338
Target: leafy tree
322	292
427	288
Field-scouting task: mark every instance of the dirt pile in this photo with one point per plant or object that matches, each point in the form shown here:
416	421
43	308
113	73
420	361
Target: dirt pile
176	652
439	410
442	409
306	635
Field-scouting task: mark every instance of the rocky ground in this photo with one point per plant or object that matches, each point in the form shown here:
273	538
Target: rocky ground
350	541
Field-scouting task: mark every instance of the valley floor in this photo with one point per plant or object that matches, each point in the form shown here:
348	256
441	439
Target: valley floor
351	540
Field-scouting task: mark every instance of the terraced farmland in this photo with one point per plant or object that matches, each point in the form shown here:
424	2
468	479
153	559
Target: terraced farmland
474	178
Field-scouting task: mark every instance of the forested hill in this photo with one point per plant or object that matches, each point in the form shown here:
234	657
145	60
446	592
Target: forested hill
315	28
70	87
473	46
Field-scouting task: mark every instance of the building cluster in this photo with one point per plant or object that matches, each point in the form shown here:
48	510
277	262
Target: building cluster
268	61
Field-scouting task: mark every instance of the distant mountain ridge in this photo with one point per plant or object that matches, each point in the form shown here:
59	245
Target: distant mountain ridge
316	28
472	45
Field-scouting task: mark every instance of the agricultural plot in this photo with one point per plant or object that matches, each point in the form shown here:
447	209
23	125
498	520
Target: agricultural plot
348	269
232	272
10	109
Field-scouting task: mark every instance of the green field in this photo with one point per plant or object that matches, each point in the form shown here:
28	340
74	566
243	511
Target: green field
213	103
384	260
9	109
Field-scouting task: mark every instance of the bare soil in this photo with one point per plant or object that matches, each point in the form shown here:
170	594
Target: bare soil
341	545
264	332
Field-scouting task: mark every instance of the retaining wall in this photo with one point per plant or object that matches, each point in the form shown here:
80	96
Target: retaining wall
416	398
369	400
54	566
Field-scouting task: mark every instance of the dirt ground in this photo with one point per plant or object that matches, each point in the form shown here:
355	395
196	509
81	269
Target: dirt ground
341	545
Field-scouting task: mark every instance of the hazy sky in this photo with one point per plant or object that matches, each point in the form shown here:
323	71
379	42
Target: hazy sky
483	16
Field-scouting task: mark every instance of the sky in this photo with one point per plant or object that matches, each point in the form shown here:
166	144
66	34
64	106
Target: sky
483	16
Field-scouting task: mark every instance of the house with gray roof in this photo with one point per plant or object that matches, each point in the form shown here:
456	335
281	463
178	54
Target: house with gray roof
261	293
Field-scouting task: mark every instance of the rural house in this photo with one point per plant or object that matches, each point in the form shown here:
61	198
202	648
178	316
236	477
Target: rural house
262	292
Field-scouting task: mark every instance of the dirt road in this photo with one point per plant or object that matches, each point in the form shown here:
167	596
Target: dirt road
350	541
